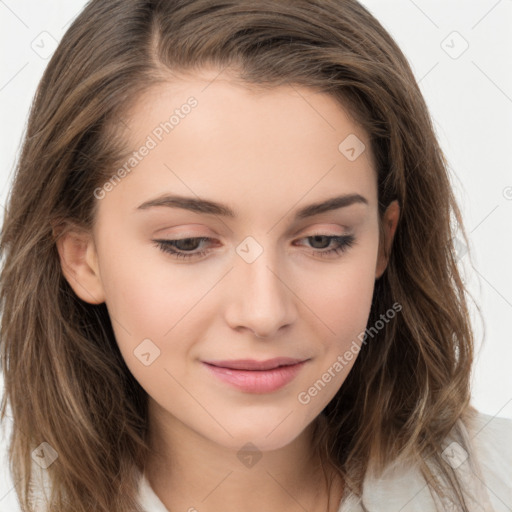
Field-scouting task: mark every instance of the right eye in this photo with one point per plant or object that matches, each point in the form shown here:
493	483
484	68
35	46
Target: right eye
182	247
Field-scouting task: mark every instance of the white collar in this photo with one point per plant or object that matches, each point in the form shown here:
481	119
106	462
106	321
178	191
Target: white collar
487	473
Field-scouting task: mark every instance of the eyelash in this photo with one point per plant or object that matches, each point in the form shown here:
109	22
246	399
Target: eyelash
343	243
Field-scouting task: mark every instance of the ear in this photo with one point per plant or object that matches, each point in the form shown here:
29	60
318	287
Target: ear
387	233
79	263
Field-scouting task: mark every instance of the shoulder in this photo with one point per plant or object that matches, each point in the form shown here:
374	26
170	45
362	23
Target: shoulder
485	471
491	438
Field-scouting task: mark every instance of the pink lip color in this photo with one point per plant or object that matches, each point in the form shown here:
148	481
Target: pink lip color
256	381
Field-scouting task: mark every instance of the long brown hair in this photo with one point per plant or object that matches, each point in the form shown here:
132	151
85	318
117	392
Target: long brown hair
65	379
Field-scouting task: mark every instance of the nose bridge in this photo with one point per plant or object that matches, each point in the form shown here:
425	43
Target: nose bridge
261	301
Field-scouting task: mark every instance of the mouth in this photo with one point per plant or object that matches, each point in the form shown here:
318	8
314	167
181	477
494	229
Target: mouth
251	364
253	376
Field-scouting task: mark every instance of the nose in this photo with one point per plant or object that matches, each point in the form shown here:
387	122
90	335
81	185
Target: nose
260	298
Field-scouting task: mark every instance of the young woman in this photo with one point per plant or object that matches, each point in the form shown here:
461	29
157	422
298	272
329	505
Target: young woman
229	279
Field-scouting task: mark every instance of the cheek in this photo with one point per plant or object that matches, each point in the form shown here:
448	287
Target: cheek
141	306
342	298
150	298
145	295
135	302
343	305
147	313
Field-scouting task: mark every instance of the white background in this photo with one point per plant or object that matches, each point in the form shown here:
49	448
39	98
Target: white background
470	99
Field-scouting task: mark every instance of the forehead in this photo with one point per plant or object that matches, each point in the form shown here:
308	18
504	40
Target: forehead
224	104
212	136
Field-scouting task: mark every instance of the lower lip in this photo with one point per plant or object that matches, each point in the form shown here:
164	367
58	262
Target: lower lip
257	381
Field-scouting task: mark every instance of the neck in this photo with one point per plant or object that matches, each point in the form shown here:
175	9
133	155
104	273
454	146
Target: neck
188	471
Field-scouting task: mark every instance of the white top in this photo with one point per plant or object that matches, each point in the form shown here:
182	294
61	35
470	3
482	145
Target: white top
487	472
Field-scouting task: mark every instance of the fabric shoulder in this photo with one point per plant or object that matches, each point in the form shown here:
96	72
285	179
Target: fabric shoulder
491	438
484	470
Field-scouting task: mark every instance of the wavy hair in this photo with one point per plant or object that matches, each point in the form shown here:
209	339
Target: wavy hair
65	379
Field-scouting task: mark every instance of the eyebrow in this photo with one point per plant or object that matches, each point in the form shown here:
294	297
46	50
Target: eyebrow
210	207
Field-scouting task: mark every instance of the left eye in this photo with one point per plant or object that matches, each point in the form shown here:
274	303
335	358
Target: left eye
187	247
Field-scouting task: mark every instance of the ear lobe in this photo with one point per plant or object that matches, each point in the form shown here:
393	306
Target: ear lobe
79	264
386	236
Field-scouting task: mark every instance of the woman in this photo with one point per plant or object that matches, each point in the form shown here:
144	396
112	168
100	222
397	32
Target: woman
229	276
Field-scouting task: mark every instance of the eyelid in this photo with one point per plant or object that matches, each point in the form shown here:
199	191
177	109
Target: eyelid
327	229
342	244
317	226
188	232
330	229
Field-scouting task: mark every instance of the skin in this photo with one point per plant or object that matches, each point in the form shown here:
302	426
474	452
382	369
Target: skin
265	154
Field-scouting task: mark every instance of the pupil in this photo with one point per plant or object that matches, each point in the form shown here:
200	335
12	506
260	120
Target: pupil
188	243
320	238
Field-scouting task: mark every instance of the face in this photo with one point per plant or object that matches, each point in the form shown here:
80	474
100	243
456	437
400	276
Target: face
253	272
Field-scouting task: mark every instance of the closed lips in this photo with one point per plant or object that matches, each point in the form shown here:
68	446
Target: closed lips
247	364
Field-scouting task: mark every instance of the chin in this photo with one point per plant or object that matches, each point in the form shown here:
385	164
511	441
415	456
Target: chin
266	434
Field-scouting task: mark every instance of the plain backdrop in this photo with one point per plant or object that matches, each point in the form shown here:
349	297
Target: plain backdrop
461	54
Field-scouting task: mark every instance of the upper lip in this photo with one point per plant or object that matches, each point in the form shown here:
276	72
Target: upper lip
252	364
